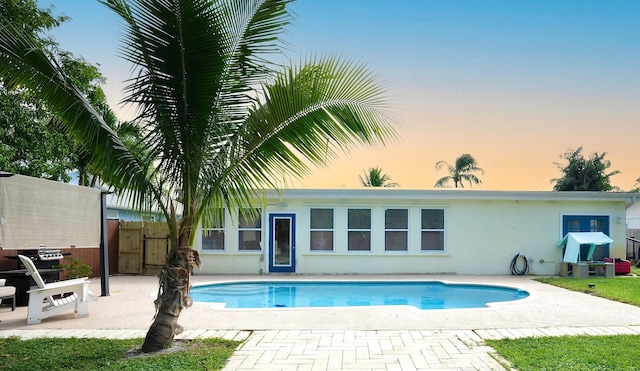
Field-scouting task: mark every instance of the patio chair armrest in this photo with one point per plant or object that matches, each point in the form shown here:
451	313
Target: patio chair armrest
62	286
76	281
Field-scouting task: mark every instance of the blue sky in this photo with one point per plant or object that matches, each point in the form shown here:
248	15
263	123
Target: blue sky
514	83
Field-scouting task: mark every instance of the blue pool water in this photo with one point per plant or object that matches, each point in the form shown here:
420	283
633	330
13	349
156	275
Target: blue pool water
288	294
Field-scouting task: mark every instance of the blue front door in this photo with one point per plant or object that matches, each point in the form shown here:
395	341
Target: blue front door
282	243
588	223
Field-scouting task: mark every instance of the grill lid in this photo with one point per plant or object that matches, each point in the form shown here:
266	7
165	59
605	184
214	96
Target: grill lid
45	254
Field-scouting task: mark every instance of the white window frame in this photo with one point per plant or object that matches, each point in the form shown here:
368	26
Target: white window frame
254	228
332	230
441	230
220	228
362	230
396	230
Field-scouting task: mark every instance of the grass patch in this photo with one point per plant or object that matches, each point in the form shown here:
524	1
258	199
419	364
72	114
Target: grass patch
568	353
108	354
599	353
623	289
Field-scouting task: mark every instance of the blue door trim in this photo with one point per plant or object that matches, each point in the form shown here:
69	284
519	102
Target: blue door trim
279	266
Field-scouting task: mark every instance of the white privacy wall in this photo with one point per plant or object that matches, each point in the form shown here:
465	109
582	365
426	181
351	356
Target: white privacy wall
36	212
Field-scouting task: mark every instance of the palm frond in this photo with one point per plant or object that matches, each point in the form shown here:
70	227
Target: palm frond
211	138
23	63
253	28
442	182
310	113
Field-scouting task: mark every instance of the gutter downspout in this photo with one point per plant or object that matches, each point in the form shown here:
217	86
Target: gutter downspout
632	202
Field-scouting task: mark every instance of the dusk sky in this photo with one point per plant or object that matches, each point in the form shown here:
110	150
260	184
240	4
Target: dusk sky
513	83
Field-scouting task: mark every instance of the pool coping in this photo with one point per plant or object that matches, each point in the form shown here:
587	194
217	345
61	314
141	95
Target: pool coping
130	306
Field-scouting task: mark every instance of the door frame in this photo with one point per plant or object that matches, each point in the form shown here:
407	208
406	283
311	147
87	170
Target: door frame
584	227
282	268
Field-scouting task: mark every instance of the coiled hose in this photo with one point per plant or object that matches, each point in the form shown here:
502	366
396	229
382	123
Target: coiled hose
514	265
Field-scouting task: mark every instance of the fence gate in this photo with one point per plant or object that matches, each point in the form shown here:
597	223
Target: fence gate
155	247
130	247
143	247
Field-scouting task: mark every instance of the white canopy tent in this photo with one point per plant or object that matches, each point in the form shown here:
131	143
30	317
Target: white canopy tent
573	240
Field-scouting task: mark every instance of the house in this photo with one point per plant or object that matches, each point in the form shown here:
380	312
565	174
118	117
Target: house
633	228
121	208
392	230
633	214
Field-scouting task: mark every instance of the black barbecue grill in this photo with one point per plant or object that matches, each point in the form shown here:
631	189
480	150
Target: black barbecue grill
44	259
47	258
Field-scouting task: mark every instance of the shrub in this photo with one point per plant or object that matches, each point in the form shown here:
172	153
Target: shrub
75	268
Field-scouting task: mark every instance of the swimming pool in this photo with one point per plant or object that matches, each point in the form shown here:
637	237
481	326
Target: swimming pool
305	294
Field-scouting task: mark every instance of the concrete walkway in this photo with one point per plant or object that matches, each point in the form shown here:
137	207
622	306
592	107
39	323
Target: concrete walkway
376	338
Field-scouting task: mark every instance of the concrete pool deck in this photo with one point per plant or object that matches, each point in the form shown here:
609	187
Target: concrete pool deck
128	312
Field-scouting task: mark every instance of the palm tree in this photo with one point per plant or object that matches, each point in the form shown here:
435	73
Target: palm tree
462	171
220	121
636	186
375	178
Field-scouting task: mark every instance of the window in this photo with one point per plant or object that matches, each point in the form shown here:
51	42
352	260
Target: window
396	228
213	238
432	230
598	225
249	230
359	229
321	229
573	225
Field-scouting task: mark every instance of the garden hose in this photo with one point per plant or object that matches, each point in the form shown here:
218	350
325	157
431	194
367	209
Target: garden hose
514	265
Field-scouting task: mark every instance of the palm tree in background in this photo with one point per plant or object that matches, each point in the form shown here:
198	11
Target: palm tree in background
636	186
220	121
462	171
375	178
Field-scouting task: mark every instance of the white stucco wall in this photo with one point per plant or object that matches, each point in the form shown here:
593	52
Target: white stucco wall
484	230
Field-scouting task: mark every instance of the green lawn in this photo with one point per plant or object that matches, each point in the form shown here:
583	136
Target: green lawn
105	354
622	288
580	352
568	353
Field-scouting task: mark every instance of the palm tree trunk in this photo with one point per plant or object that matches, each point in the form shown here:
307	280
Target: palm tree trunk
173	297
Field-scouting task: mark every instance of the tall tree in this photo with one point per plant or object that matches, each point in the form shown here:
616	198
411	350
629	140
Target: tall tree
31	19
584	174
375	178
220	121
31	142
463	170
29	146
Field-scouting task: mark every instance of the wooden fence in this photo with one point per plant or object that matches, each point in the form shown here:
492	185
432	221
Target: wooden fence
143	247
91	256
134	248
